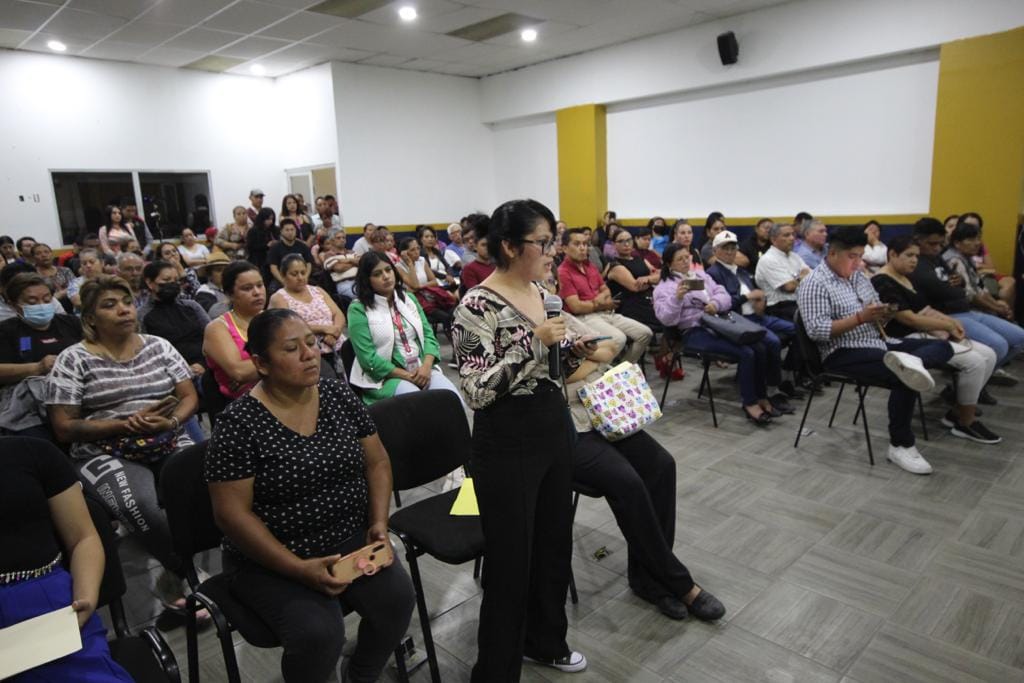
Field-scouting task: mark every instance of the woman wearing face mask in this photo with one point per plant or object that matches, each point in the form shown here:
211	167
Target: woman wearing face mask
187	276
179	321
29	344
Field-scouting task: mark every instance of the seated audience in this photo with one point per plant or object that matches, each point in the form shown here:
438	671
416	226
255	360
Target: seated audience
642	242
187	275
43	515
842	314
258	238
129	269
7	250
296	432
944	290
588	298
288	244
304	226
25	245
714	224
383	243
341	266
682	234
73	259
58	277
362	244
608	251
631	280
120	399
637	477
395	347
109	265
811	247
255	204
326	217
113	231
754	245
192	252
435	257
418	278
876	254
180	321
224	338
480	268
312	304
973	361
661	231
964	243
231	238
679	304
749	301
29	345
1003	287
211	293
780	271
90	268
455	252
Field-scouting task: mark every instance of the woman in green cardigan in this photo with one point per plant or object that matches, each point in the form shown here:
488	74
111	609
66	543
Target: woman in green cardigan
395	347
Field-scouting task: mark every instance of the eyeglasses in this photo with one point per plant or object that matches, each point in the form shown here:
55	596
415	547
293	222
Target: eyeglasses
543	244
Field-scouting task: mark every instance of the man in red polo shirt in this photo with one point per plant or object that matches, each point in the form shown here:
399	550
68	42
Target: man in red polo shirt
587	297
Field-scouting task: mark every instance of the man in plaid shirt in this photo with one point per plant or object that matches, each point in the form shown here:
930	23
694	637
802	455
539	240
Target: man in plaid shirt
841	312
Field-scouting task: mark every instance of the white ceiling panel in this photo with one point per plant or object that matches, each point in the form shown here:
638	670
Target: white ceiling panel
112	49
38	43
301	26
293	4
23	16
77	24
126	9
247	17
185	12
146	33
253	47
548	32
12	38
202	40
388	14
169	56
385	60
467	16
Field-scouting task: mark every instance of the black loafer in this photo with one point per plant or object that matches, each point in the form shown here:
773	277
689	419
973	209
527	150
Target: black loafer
791	391
672	607
762	420
707	607
781	405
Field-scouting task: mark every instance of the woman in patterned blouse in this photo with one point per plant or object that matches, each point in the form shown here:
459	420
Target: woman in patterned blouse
522	448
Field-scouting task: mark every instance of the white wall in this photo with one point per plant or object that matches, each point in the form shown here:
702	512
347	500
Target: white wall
76	114
411	146
839	144
306	132
526	161
783	39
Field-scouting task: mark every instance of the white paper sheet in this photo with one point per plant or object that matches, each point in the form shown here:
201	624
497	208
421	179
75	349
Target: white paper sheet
37	641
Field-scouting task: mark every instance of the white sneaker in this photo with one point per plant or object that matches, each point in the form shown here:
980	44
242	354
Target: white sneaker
570	664
910	370
909	459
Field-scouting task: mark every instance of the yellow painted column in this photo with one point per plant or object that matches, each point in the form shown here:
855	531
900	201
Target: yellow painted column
978	162
582	164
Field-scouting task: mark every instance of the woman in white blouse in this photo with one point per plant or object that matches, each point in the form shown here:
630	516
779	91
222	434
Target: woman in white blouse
194	253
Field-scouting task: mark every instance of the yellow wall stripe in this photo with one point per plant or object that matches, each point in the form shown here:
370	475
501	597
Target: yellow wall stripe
582	164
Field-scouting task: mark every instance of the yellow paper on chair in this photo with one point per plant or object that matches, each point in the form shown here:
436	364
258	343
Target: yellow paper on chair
465	503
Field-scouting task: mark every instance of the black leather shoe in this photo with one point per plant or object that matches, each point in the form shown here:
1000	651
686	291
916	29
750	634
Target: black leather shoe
707	607
781	405
791	391
986	398
762	420
672	607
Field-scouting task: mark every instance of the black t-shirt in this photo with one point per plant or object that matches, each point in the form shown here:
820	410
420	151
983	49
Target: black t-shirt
310	491
931	279
892	292
20	343
31	471
280	250
753	250
182	323
636	305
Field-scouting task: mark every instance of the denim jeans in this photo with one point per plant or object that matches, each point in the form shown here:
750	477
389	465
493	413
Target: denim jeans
1005	338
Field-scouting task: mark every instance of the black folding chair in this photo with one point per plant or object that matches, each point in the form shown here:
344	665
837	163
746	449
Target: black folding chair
579	489
146	657
193	530
426	436
816	372
706	358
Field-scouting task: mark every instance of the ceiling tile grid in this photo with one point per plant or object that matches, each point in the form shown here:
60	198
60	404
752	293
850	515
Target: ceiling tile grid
284	36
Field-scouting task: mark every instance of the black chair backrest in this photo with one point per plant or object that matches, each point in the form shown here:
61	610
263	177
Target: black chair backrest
425	433
213	402
808	348
348	357
187	503
113	585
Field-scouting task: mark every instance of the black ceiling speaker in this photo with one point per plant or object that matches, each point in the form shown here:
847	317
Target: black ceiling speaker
728	48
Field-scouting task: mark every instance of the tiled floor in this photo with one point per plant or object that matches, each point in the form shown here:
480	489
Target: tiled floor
831	570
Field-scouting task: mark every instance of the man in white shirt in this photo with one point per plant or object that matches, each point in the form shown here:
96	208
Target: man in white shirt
780	271
362	244
325	218
455	251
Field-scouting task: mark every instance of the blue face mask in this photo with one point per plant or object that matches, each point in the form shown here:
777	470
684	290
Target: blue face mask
38	315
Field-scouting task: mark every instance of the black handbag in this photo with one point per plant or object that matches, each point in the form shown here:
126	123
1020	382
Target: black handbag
734	328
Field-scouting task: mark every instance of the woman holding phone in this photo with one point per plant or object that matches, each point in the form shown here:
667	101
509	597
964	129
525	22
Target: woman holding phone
120	399
522	447
682	297
299	478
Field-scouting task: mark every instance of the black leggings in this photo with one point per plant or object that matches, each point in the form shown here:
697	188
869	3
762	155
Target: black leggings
637	476
311	626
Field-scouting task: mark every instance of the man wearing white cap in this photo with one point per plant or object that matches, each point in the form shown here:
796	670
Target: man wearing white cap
256	202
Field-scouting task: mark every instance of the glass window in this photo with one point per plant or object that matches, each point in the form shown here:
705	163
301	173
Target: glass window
173	201
82	199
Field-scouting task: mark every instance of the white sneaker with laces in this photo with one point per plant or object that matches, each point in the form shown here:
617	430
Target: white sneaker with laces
910	370
570	664
909	459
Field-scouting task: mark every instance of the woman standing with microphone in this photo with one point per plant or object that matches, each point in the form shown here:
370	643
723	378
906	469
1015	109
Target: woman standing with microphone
522	448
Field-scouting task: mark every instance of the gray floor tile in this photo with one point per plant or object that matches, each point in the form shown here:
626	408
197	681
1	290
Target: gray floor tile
736	656
752	544
870	537
756	468
800	516
980	570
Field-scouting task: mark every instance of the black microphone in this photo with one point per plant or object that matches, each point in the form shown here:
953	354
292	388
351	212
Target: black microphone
553	309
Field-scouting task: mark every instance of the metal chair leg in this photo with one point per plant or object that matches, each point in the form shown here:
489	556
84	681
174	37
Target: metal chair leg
400	668
398	500
711	394
863	391
835	407
924	425
192	645
807	409
867	432
573	595
421	604
477	566
676	358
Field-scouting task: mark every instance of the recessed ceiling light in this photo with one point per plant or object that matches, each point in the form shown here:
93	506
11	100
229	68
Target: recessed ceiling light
528	35
407	13
257	70
56	46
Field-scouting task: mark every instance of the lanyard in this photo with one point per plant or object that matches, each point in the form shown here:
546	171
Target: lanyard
397	319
